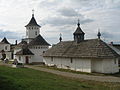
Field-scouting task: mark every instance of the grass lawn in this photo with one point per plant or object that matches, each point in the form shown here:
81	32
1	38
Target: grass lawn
29	79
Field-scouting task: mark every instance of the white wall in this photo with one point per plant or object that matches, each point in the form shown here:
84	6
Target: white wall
23	58
110	66
5	47
38	52
31	31
83	65
105	65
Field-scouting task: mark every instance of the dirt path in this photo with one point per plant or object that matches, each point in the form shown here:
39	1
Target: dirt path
77	76
73	75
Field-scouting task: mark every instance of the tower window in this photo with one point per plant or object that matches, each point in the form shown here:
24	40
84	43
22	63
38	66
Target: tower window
36	33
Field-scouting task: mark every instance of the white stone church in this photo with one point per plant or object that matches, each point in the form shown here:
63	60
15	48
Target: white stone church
31	48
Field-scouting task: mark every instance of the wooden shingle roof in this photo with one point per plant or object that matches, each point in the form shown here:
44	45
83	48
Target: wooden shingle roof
93	48
24	51
21	44
39	40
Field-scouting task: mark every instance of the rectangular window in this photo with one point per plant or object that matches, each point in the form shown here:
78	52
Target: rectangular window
52	59
36	33
71	60
19	58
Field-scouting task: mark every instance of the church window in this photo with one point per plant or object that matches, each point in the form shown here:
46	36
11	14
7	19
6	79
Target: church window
71	60
5	47
36	33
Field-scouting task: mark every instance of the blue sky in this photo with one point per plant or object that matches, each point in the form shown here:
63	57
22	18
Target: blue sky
60	16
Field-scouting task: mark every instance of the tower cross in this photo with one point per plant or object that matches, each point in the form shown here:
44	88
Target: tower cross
33	13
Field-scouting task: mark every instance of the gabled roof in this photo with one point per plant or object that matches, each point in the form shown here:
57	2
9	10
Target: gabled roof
93	48
39	40
32	22
24	51
5	41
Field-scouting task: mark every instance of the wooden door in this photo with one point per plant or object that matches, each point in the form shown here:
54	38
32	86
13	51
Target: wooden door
27	60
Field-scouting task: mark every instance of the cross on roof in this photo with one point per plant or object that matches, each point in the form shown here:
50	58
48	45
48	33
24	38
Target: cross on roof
33	12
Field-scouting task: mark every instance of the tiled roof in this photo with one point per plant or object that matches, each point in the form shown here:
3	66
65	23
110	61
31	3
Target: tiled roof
39	40
5	41
93	48
32	22
24	51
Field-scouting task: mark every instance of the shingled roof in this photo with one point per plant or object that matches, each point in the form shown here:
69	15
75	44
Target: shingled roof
5	41
24	51
117	46
21	44
39	40
93	48
78	30
32	22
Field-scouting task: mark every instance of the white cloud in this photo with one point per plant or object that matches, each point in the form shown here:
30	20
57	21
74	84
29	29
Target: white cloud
60	16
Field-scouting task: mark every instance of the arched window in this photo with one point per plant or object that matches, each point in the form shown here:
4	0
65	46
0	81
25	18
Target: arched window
5	47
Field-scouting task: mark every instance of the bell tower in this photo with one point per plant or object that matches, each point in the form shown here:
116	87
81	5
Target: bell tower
32	29
78	34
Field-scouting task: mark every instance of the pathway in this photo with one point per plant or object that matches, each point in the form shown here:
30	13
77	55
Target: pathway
77	76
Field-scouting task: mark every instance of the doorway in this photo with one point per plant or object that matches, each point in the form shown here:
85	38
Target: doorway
27	60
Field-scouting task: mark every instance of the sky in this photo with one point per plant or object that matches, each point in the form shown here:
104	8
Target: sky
61	16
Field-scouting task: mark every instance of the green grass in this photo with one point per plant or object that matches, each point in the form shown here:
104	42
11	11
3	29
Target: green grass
29	79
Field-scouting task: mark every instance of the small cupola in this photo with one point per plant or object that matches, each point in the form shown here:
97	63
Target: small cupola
78	34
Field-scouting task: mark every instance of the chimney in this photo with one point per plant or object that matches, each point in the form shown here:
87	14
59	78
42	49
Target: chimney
15	42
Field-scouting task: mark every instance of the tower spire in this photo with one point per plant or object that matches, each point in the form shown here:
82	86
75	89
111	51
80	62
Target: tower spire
99	34
60	37
78	23
33	13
